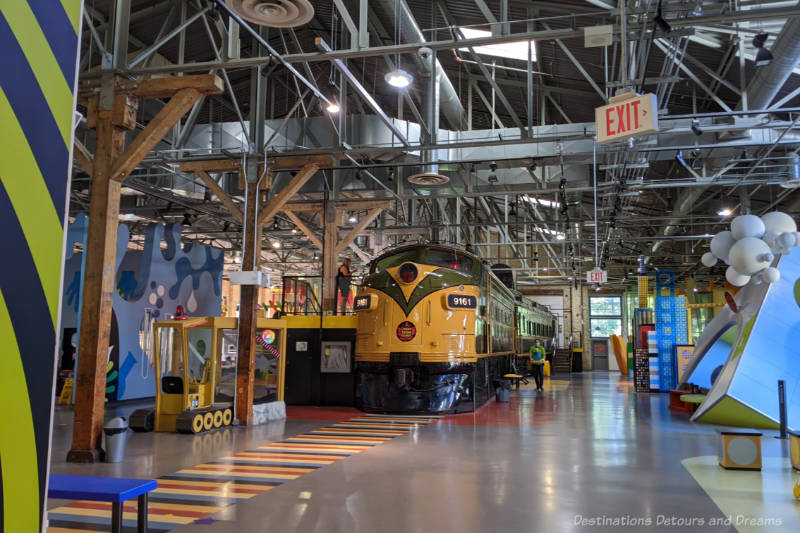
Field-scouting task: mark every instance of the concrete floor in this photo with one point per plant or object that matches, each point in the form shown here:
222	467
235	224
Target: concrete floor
582	454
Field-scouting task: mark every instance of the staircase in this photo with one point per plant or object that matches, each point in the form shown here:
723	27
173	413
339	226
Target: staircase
562	361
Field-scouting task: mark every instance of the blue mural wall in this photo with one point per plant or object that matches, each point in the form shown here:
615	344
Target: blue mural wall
157	278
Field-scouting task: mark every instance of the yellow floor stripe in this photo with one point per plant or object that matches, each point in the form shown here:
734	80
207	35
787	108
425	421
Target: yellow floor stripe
222	486
43	63
289	461
239	474
79	511
212	493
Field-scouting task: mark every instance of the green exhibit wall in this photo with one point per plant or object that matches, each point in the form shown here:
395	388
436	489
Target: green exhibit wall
38	67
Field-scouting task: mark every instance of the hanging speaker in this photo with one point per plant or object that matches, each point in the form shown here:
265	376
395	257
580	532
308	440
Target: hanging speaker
274	13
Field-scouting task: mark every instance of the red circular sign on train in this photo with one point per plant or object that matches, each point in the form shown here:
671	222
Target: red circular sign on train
406	331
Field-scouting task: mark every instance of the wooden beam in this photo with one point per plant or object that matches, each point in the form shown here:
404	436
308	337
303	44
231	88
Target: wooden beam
157	87
83	157
316	241
154	132
303	207
330	259
360	253
276	204
219	193
212	165
363	205
358	229
299	161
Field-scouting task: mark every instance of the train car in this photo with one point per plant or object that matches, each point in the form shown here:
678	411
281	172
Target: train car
532	322
435	330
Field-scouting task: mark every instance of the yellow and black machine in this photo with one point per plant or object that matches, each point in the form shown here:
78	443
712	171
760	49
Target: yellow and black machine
195	372
436	328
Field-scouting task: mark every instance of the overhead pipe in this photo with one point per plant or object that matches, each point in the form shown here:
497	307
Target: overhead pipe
767	81
449	101
760	92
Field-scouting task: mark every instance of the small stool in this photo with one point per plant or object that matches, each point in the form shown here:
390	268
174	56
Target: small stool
740	450
794	448
515	379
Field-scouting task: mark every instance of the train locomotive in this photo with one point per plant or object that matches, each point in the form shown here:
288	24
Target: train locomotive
436	329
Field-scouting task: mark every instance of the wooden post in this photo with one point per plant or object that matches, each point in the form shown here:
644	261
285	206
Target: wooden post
111	112
248	301
330	259
101	251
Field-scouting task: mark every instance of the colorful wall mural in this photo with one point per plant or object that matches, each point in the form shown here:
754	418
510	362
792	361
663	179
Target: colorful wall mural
152	282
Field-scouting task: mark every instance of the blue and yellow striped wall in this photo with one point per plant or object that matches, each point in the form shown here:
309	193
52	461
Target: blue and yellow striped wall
38	64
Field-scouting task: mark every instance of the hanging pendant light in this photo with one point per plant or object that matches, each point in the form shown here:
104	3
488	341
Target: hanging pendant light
399	78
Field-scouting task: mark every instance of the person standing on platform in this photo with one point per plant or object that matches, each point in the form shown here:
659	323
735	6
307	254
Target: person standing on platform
343	277
537	358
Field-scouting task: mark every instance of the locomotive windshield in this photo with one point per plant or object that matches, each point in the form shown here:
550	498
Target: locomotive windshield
448	259
395	260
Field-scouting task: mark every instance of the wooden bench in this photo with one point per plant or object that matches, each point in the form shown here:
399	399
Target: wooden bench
105	489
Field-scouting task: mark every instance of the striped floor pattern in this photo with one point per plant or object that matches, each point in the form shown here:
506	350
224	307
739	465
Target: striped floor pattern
194	493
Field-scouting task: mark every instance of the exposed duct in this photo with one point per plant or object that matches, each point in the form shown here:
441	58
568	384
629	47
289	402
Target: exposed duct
449	101
767	81
761	91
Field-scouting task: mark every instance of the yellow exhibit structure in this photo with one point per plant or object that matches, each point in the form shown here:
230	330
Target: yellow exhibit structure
195	365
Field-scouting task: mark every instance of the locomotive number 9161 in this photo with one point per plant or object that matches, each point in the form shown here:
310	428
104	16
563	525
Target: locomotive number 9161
456	301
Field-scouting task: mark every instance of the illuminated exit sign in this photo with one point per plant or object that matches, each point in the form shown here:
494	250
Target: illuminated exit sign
628	115
596	276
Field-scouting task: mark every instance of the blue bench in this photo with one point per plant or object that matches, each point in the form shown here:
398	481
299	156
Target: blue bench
105	489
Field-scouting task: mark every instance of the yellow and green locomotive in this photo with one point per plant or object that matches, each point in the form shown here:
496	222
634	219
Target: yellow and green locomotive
436	328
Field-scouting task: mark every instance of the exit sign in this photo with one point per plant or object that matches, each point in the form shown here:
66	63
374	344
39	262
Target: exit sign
628	115
596	276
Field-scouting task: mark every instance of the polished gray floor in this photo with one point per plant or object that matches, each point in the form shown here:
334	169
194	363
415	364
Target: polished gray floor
584	453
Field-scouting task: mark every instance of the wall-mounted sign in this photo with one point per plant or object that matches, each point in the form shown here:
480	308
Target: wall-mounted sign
628	115
301	346
596	276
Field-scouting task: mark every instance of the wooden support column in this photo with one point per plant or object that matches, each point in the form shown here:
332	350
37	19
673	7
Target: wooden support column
330	259
112	110
98	284
276	204
248	302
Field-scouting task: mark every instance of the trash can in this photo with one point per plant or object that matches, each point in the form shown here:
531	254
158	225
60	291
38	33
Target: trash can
116	431
503	392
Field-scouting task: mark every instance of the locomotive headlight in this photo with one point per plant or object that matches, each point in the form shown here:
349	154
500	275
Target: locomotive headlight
407	273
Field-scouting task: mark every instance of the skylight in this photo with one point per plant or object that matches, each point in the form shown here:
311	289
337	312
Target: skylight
541	201
517	50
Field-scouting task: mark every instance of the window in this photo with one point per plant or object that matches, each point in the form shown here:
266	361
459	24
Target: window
605	316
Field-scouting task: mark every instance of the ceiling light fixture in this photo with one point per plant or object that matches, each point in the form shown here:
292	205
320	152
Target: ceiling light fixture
352	219
399	78
763	55
332	108
696	127
186	220
724	212
492	178
276	244
391	174
275	225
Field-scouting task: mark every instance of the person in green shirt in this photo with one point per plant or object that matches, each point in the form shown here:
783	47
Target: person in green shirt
537	358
